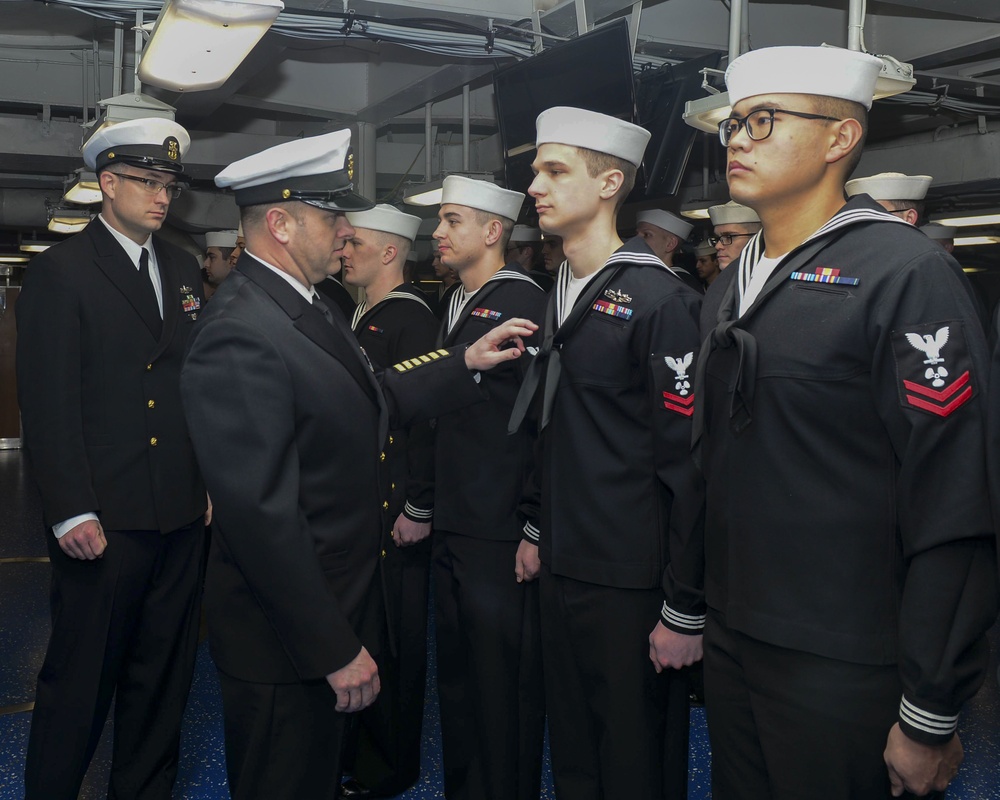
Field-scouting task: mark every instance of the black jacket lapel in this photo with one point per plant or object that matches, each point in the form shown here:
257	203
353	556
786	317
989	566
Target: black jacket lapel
310	322
114	262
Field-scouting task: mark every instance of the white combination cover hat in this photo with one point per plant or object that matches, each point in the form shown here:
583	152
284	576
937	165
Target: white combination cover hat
890	186
579	127
149	143
671	223
732	213
481	195
826	71
387	219
318	170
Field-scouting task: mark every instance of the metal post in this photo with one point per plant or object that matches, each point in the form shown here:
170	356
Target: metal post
465	128
119	58
136	84
428	143
855	24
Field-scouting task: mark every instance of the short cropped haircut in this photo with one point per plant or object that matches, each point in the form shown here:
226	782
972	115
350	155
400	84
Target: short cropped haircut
845	109
598	162
252	216
484	217
401	243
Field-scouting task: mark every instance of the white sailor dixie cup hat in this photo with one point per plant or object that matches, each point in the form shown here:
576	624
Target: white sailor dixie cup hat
481	195
935	230
704	249
525	234
150	143
671	223
826	71
732	214
591	130
225	239
387	219
890	186
318	170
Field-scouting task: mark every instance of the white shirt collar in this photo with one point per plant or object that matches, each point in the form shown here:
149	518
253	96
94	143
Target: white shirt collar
308	292
133	250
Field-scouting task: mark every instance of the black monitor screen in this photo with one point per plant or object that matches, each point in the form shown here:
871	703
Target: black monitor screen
593	71
662	95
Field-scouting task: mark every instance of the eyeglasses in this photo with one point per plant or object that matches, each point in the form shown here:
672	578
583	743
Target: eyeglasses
173	190
760	123
725	238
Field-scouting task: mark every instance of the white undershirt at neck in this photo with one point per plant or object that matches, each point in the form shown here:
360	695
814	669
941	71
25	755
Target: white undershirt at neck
574	289
762	270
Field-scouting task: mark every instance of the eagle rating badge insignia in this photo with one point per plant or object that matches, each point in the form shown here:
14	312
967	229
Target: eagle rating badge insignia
674	382
933	367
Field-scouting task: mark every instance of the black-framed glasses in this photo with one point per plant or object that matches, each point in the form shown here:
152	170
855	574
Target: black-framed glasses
173	189
760	123
725	238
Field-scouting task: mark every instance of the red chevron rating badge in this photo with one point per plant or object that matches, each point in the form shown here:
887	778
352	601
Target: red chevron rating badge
681	405
933	366
942	402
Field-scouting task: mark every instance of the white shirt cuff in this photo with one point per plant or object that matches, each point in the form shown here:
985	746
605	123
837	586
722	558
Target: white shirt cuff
64	527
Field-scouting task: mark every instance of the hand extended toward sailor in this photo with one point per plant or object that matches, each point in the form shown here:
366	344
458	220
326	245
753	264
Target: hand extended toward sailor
406	532
356	684
920	768
671	650
85	540
526	562
493	348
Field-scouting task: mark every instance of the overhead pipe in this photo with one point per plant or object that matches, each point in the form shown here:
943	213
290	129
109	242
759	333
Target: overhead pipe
119	61
136	83
736	9
465	128
428	143
855	24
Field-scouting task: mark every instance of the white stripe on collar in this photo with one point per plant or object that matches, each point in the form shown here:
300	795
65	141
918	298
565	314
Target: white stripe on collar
842	219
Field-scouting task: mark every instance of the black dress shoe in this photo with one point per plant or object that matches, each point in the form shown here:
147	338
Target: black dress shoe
353	788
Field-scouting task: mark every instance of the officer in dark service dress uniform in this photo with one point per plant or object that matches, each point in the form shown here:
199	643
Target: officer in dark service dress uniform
294	462
102	323
848	540
620	496
392	324
489	670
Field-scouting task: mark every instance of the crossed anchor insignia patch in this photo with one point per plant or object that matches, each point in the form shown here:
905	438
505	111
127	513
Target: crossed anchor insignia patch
934	368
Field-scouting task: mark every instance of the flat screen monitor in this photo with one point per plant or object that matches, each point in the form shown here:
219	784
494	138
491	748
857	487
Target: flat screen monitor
593	71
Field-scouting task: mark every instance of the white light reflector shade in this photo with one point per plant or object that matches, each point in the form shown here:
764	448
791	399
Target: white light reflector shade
85	190
197	44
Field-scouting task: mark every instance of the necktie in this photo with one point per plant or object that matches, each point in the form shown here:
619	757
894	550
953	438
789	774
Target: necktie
148	293
324	309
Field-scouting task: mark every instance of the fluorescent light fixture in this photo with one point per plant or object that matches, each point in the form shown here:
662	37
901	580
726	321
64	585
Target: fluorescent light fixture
10	259
424	194
84	189
973	269
68	220
696	209
969	241
429	193
197	44
34	246
706	113
966	222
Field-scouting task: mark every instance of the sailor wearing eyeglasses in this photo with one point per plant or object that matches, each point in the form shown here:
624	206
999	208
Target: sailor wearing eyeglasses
849	548
733	227
103	319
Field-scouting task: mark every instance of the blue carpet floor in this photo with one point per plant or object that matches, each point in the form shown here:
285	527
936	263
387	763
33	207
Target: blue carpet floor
24	630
